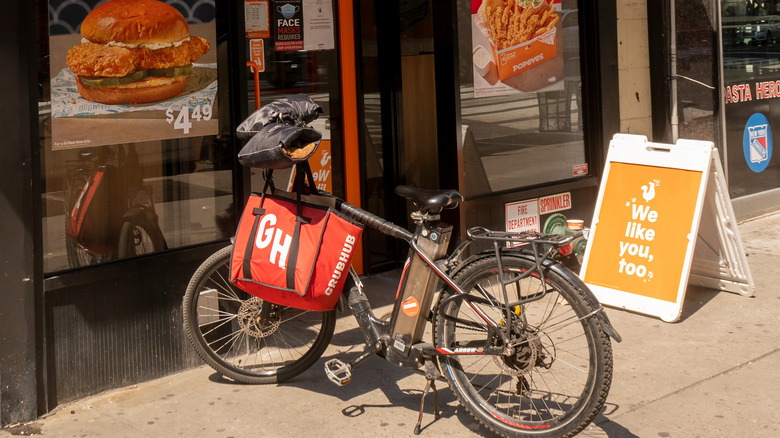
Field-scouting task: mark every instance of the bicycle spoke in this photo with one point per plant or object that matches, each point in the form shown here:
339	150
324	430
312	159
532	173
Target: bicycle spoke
221	324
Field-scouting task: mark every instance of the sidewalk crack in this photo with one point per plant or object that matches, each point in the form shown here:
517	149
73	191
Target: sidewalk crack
642	405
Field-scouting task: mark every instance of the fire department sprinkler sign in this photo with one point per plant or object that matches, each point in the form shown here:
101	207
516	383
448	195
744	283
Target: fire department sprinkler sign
522	216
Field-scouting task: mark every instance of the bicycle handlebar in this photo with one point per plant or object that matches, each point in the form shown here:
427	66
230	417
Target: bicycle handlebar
376	222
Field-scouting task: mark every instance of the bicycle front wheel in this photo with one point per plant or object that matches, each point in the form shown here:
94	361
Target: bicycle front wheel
554	374
245	338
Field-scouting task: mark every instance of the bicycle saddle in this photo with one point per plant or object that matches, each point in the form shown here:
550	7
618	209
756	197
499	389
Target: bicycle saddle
430	201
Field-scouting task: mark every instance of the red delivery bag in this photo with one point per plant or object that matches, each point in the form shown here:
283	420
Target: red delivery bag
293	253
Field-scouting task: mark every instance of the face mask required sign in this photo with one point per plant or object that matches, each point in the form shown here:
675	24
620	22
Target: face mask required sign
647	224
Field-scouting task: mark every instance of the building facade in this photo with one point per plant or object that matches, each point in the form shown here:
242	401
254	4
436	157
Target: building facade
713	77
108	208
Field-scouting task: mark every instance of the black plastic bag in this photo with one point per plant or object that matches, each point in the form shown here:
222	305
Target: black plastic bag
292	110
279	146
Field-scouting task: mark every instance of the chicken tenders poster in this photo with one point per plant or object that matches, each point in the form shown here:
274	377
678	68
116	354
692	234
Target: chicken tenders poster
126	71
516	46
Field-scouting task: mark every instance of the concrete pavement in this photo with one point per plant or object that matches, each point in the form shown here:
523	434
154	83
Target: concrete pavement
712	374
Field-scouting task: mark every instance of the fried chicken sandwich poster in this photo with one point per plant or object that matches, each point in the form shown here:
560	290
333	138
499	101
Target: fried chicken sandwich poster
516	46
126	71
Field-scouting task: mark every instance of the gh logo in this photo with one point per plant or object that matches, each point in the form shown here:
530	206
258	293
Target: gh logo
279	241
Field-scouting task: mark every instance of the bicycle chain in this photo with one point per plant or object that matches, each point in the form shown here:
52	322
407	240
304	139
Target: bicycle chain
499	360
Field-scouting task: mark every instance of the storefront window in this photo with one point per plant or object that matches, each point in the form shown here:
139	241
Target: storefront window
694	76
294	50
751	39
133	162
520	94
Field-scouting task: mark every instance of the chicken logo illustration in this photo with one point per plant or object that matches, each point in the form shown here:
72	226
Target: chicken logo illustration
325	158
649	194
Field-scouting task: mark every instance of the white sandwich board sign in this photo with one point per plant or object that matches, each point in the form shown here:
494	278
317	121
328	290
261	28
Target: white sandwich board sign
663	219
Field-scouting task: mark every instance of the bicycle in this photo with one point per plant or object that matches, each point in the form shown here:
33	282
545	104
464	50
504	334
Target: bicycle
519	338
109	211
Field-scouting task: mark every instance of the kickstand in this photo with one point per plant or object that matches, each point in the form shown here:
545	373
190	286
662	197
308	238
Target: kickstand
430	384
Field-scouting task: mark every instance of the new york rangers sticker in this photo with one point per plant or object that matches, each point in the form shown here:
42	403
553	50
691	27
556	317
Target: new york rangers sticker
757	142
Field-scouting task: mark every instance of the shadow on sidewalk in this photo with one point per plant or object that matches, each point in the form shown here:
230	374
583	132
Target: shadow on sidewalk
611	428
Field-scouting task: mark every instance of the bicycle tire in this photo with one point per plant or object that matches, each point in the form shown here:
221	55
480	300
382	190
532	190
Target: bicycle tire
138	237
222	323
556	380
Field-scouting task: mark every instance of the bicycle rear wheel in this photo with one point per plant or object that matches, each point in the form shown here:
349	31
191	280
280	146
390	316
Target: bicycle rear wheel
554	375
224	325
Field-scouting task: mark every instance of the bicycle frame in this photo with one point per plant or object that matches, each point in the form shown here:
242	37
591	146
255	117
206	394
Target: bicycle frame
400	337
500	317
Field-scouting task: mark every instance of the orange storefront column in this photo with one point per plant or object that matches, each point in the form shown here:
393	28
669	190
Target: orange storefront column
348	70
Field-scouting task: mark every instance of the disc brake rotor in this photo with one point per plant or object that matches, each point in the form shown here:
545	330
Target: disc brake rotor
249	319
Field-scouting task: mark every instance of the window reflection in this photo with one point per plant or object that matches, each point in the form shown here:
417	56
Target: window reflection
311	72
109	209
751	79
528	137
693	75
750	42
111	202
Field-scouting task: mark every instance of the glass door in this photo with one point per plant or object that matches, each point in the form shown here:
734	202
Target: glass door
398	123
292	47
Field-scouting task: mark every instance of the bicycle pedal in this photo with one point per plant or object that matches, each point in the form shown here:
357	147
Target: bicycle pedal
338	372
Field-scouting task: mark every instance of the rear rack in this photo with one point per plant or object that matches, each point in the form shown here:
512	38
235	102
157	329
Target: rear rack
525	237
542	246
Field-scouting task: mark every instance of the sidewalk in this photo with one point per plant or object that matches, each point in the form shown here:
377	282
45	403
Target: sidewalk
712	374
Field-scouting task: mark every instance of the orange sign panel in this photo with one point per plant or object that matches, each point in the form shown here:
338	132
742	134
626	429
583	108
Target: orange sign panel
321	164
663	220
644	228
256	19
257	54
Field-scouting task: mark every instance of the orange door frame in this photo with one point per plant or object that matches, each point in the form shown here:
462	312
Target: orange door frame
348	70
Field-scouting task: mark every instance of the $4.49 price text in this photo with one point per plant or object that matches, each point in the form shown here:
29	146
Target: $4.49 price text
183	119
